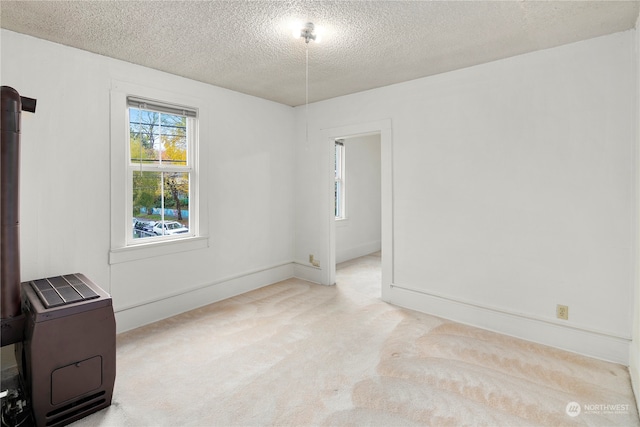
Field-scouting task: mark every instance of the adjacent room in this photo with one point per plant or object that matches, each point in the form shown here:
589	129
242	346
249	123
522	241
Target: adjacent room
339	212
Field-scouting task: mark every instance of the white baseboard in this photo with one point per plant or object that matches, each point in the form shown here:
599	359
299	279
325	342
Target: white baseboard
345	254
307	272
132	317
634	371
572	338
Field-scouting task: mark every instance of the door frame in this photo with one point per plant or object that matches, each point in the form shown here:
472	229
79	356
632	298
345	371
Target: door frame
329	135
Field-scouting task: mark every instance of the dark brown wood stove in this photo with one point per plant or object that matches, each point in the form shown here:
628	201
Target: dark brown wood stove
67	357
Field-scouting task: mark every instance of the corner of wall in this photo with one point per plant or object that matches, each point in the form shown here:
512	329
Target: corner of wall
307	272
634	351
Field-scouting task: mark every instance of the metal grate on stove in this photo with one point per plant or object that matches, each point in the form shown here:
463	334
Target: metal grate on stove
62	290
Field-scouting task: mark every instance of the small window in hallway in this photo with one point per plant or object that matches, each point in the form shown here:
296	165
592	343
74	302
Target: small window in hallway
339	179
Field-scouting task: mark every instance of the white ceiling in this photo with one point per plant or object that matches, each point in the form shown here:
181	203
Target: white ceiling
247	46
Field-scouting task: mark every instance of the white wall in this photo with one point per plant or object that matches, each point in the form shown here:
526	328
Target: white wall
513	191
65	178
359	233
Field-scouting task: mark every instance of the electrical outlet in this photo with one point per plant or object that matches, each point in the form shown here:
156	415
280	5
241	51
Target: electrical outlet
312	261
562	312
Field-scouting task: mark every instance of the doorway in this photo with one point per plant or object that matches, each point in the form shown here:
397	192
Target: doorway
357	196
382	130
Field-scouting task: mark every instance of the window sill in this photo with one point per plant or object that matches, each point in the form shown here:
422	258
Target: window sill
150	250
342	222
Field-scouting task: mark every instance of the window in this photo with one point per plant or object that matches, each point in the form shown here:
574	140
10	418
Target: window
161	174
339	179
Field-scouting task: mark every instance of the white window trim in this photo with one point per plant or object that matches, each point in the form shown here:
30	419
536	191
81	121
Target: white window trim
122	250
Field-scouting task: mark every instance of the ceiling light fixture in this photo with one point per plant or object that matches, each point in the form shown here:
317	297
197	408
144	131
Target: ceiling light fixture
307	33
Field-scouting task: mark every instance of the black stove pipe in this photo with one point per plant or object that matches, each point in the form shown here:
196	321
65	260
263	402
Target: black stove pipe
10	212
11	106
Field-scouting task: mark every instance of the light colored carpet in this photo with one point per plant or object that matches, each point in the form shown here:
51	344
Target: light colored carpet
299	354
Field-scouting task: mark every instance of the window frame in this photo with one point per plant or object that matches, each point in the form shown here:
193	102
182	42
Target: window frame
120	219
132	167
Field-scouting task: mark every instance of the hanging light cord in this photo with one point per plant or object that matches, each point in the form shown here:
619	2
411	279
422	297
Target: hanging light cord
306	101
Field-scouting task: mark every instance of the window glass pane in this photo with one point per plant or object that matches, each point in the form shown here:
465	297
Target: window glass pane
339	180
337	199
156	138
147	200
160	204
144	136
176	203
174	139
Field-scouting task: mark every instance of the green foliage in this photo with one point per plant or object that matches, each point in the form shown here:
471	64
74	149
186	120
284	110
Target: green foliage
145	188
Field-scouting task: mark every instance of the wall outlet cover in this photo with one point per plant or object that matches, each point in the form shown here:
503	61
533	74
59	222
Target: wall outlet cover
562	312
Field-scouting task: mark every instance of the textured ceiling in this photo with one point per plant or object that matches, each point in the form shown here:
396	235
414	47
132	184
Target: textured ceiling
247	46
